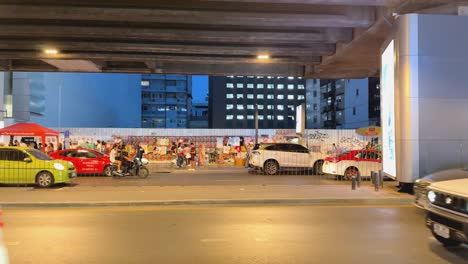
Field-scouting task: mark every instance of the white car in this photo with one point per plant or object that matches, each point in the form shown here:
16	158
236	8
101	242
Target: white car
353	163
420	186
273	157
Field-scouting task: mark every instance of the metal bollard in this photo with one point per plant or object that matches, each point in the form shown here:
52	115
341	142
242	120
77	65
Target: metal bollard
353	183
372	176
359	180
381	176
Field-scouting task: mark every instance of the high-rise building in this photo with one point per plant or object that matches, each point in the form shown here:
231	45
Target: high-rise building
166	100
199	115
313	110
234	100
350	103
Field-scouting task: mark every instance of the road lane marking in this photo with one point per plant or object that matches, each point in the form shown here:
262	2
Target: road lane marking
213	240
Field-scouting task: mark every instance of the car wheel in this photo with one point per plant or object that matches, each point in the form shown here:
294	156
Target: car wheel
271	167
143	172
446	241
350	173
108	171
318	167
44	179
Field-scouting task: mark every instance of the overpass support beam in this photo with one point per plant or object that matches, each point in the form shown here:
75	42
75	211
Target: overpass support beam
431	95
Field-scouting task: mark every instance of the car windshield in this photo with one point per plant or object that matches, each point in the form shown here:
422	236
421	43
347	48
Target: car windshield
343	154
39	155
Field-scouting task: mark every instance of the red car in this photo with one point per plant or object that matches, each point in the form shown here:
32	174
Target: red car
86	161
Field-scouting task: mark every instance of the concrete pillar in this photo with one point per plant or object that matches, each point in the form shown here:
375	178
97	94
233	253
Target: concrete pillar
431	95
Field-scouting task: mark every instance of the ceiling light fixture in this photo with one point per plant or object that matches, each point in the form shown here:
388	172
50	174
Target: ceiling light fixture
51	51
263	57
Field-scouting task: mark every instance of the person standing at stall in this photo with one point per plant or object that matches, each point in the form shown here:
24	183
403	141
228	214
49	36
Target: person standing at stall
193	154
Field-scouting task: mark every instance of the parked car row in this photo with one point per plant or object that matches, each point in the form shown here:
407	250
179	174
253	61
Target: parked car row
272	158
19	165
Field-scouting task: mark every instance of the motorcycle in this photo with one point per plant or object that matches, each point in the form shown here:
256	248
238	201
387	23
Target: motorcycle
136	168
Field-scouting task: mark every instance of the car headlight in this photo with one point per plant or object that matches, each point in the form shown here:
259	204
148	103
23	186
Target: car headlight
59	166
431	196
418	180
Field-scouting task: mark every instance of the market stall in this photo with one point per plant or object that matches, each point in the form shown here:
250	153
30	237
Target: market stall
30	130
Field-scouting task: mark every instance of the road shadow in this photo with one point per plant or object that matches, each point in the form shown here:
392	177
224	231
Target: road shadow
451	255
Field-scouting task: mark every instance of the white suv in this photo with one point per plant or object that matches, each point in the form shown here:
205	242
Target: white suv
273	157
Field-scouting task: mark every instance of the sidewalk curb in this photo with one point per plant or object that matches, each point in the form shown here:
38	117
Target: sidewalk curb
219	202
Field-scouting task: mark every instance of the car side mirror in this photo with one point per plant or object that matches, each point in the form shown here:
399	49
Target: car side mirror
27	159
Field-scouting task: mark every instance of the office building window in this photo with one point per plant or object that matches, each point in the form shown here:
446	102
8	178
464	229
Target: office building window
280	117
280	107
250	85
280	86
229	96
270	96
290	117
290	78
260	86
270	86
290	86
260	117
259	77
250	107
300	97
240	107
229	85
250	96
280	96
240	117
230	76
270	107
250	77
315	119
240	96
260	96
145	83
229	117
270	117
291	107
357	92
300	87
229	106
290	97
315	106
250	117
240	85
314	93
354	110
260	107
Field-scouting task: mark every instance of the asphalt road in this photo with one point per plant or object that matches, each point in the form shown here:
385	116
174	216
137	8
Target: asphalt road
302	234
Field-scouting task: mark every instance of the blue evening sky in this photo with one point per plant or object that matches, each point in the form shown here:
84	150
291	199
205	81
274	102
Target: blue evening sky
199	88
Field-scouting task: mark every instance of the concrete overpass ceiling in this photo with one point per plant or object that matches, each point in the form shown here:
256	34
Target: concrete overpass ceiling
311	38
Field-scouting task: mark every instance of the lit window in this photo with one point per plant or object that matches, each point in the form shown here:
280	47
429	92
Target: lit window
271	107
300	87
270	86
240	117
290	86
259	77
240	96
260	107
290	117
300	97
240	107
240	76
291	107
280	117
290	96
250	85
250	96
280	96
300	78
260	117
250	107
228	96
229	85
270	117
260	96
291	78
280	77
260	86
271	96
230	76
280	86
240	85
250	76
229	106
269	77
280	107
229	117
145	83
250	117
